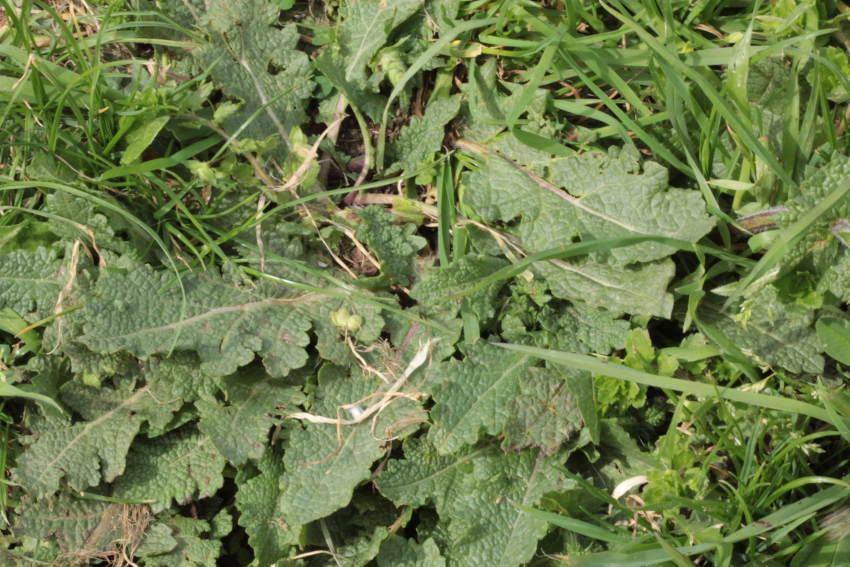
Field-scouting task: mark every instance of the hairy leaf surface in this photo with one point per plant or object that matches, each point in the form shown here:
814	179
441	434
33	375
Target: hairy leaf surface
178	465
140	312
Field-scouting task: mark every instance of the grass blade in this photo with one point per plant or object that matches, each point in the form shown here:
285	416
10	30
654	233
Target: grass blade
598	366
573	525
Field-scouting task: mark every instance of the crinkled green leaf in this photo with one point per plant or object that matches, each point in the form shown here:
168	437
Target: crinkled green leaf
258	501
259	62
332	340
91	449
424	475
471	491
180	376
50	374
770	331
438	283
363	31
584	330
618	457
194	548
358	529
473	395
180	465
366	28
442	345
140	312
837	279
485	528
157	540
821	246
360	550
394	246
638	289
422	137
103	226
601	196
353	85
173	382
580	385
322	466
31	281
544	414
767	82
76	523
399	552
597	197
240	429
488	107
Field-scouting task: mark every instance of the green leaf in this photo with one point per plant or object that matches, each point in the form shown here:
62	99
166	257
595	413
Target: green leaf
580	385
360	550
544	414
139	312
822	553
423	137
50	374
367	27
194	546
257	498
424	475
834	335
474	394
591	196
27	236
180	376
394	246
677	557
255	61
9	391
93	226
637	558
821	203
584	330
399	552
361	34
180	465
324	464
503	536
775	332
240	429
436	284
12	323
600	203
30	281
87	451
284	4
577	526
141	136
465	483
351	83
76	523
